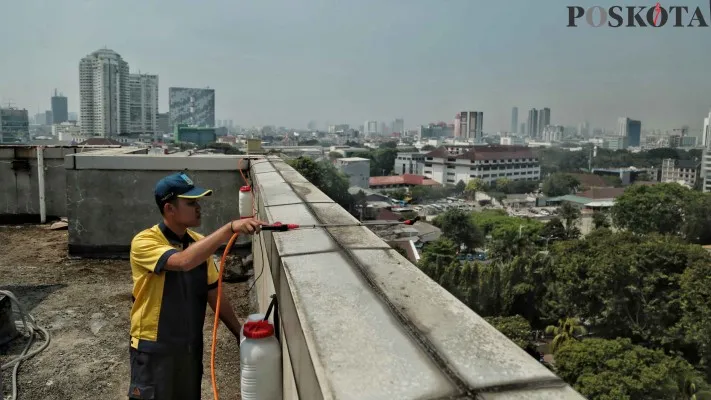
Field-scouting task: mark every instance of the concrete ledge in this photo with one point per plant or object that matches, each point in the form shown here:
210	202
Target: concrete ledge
363	322
126	160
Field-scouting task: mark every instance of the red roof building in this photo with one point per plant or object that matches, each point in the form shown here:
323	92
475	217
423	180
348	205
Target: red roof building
399	181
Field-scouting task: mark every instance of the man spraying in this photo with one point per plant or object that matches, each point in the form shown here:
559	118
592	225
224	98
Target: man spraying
174	277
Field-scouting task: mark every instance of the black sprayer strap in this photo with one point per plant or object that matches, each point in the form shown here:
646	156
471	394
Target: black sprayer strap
275	305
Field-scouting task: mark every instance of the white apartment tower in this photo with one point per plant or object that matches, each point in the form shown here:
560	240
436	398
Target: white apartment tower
706	133
104	94
143	113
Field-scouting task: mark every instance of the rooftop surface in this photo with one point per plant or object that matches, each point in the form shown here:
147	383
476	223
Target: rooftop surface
85	305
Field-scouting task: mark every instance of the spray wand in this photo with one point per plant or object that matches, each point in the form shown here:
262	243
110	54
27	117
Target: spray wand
279	227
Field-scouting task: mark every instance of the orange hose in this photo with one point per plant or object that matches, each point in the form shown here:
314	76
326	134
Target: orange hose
217	315
215	392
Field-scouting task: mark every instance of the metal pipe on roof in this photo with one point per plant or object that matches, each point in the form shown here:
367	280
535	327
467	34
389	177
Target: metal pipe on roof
40	183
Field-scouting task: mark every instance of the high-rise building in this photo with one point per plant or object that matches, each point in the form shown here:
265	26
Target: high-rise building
522	131
532	124
190	106
370	128
14	125
60	110
48	117
514	119
468	125
544	119
144	104
631	130
398	125
706	132
104	94
163	121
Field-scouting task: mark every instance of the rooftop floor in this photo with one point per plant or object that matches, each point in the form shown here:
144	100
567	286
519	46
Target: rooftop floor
85	305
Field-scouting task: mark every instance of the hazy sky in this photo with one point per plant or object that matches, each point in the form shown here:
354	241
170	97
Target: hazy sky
285	62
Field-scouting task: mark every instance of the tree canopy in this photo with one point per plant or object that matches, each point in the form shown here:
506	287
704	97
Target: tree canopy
559	185
618	370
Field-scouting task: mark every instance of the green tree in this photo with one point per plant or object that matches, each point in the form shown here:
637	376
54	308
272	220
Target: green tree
388	145
695	323
383	161
652	209
553	230
560	185
522	187
333	155
567	329
600	219
515	328
460	186
428	147
458	226
442	251
570	215
473	186
502	185
697	218
623	284
618	370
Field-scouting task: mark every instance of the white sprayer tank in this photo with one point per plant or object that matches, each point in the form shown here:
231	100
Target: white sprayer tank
246	210
253	318
260	362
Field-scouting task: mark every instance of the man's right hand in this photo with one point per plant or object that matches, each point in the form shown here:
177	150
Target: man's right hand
247	226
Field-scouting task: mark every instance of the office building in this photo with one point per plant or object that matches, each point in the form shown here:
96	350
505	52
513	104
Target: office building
487	163
198	135
706	132
409	163
14	125
163	121
144	104
194	107
370	128
433	131
706	171
630	129
104	94
544	119
532	123
398	126
60	109
468	125
514	119
356	169
685	172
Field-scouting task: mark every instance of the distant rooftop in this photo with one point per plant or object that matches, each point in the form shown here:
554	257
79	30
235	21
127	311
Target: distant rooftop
352	159
405	179
484	153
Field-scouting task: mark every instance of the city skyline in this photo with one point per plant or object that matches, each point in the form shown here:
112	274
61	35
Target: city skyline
290	66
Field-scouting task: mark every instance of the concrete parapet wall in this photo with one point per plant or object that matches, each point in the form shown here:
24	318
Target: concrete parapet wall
359	321
19	186
110	196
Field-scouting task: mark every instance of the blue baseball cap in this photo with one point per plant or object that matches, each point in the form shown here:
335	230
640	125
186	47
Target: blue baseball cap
178	185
